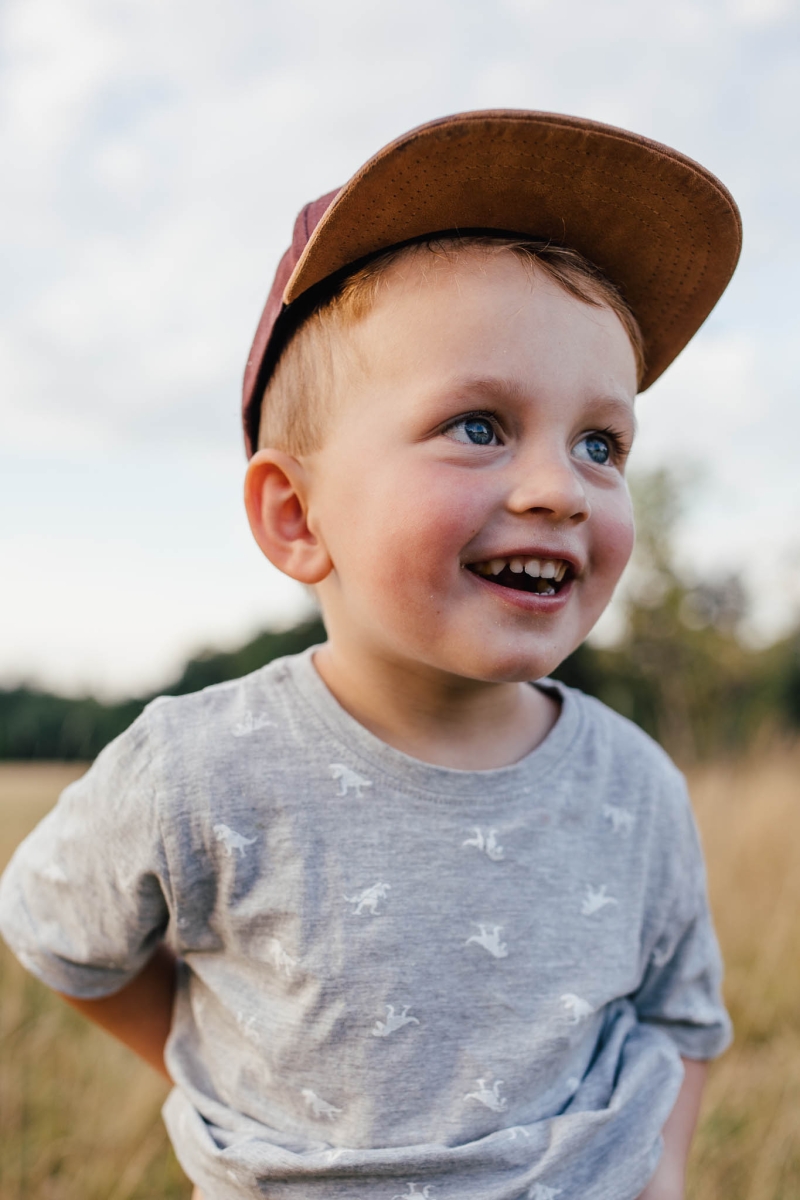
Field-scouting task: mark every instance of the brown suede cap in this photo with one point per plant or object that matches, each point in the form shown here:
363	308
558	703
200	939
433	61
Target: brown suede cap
658	225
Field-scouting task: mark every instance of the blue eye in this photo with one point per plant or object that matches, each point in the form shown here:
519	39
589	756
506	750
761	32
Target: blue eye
594	448
477	430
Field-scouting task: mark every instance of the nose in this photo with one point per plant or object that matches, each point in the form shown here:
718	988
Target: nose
549	483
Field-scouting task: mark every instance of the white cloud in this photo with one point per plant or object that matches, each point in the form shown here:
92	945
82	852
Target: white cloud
760	12
58	56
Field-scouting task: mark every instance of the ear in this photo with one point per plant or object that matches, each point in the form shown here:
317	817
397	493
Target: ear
276	498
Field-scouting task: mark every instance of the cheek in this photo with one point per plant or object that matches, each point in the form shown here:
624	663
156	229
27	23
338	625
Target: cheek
614	538
428	535
412	524
398	560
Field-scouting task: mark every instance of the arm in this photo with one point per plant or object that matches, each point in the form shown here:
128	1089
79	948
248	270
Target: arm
670	1178
140	1013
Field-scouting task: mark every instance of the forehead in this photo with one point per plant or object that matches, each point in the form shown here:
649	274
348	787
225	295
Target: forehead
486	313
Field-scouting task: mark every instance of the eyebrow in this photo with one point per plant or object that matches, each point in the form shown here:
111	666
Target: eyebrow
615	406
512	392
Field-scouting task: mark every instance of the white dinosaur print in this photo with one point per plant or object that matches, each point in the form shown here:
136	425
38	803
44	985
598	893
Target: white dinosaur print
55	873
621	818
540	1191
516	1132
232	840
393	1022
369	899
319	1108
595	899
577	1008
490	1097
573	1083
486	843
348	779
660	958
247	1027
489	938
279	958
251	724
412	1191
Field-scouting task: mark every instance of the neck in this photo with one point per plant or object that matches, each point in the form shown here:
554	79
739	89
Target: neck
445	720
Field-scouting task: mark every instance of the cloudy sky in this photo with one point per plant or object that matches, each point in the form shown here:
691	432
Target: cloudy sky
155	153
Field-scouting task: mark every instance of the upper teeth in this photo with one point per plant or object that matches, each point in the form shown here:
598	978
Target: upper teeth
547	568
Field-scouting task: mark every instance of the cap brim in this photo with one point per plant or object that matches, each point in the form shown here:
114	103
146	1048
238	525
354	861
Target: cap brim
657	224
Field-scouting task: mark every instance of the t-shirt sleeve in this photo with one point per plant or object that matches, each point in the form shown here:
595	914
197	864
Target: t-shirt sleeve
681	987
84	900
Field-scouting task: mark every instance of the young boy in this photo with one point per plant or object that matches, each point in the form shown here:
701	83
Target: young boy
439	931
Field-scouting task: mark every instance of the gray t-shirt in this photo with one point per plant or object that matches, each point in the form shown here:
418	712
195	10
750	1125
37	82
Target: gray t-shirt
396	979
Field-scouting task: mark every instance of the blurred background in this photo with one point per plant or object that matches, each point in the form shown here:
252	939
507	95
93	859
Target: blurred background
155	155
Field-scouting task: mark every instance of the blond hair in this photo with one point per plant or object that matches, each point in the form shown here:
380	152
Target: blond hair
300	396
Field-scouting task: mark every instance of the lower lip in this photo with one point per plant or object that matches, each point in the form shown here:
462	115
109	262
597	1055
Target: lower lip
533	602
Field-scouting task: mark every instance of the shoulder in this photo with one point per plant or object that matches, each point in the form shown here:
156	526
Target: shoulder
620	762
624	741
186	744
638	796
236	709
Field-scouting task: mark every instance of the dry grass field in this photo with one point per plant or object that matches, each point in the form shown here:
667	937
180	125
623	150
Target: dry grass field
748	1144
80	1116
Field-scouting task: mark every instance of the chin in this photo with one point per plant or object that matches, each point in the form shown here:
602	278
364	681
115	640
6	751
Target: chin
510	667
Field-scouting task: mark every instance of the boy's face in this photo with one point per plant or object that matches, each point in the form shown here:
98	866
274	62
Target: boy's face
483	436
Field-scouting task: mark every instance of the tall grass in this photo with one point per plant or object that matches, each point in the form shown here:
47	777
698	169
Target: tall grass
748	1143
80	1116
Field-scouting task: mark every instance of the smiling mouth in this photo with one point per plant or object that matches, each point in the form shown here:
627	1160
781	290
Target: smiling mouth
546	576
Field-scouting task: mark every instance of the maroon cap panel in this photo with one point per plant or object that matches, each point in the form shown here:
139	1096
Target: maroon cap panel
304	226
